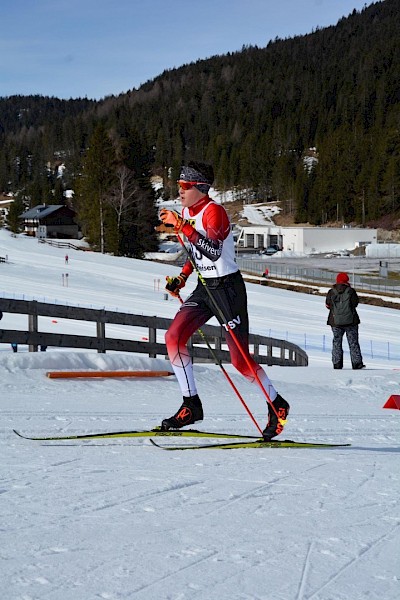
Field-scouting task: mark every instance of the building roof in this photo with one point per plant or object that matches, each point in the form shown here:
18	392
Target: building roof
41	211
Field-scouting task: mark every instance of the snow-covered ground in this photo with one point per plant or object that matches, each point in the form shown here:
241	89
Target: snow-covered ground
120	519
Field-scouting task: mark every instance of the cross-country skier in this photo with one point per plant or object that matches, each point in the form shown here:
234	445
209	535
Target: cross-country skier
206	226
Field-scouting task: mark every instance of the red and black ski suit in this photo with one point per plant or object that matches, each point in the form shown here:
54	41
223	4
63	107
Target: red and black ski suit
209	233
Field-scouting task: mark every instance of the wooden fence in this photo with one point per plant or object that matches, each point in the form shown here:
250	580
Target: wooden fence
63	244
266	350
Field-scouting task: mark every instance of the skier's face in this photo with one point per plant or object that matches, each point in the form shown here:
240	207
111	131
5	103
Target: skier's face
190	197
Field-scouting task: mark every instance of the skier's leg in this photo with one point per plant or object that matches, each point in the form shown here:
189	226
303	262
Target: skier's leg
354	347
232	300
192	315
337	347
277	416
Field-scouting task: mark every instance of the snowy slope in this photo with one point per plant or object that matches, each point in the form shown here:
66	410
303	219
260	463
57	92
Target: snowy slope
120	519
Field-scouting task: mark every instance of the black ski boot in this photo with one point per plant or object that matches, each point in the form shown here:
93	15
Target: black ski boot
275	426
190	412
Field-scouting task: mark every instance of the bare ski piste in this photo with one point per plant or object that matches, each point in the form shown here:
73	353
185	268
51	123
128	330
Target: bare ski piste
259	443
130	434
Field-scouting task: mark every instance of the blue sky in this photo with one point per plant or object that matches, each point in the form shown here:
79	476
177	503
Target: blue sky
96	48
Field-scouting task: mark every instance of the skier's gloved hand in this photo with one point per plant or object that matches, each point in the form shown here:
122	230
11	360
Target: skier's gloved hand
175	284
171	217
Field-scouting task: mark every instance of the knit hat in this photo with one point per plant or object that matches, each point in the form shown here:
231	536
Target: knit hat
189	173
342	278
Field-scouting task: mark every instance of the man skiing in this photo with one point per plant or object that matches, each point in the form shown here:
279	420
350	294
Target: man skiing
206	226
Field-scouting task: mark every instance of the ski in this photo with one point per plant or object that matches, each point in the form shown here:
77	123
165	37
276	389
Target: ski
146	433
259	443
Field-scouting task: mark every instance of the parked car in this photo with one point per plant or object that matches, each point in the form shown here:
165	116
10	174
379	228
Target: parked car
338	254
271	250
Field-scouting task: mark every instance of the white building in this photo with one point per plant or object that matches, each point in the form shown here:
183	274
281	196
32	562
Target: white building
5	203
383	251
306	240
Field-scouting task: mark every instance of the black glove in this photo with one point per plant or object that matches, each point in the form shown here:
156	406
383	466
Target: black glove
174	284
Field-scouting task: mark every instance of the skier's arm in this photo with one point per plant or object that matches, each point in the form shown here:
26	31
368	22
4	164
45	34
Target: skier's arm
354	298
187	268
328	300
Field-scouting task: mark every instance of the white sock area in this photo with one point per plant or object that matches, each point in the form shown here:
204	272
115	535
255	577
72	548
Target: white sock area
185	379
267	384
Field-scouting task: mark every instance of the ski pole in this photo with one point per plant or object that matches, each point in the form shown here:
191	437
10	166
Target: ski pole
219	363
236	341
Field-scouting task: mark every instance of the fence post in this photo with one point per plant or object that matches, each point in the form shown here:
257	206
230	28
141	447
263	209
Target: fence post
33	324
217	343
256	350
152	339
190	348
101	333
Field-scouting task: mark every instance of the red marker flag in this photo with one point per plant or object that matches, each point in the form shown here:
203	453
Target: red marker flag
393	402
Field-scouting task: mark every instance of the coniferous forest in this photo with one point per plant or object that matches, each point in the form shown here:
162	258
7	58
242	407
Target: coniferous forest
312	121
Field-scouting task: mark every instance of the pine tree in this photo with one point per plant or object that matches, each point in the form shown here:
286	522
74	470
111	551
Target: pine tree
97	218
13	220
137	234
58	192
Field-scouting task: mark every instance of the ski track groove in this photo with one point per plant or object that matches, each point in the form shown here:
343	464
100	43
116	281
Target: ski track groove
173	573
34	471
244	495
91	512
133	500
304	573
353	561
367	479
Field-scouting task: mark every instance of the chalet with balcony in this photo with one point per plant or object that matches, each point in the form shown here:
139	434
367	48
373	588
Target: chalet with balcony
50	221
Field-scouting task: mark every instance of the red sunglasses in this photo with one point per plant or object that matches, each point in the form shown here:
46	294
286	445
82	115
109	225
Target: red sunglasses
187	185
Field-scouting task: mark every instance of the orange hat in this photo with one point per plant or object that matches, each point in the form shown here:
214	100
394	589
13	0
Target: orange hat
342	278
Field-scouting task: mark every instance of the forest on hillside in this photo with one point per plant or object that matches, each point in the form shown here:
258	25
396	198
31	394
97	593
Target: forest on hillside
312	121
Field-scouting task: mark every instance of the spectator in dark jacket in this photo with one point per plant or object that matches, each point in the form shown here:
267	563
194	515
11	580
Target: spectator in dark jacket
342	301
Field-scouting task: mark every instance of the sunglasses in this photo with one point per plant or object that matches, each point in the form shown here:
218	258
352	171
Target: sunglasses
187	185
